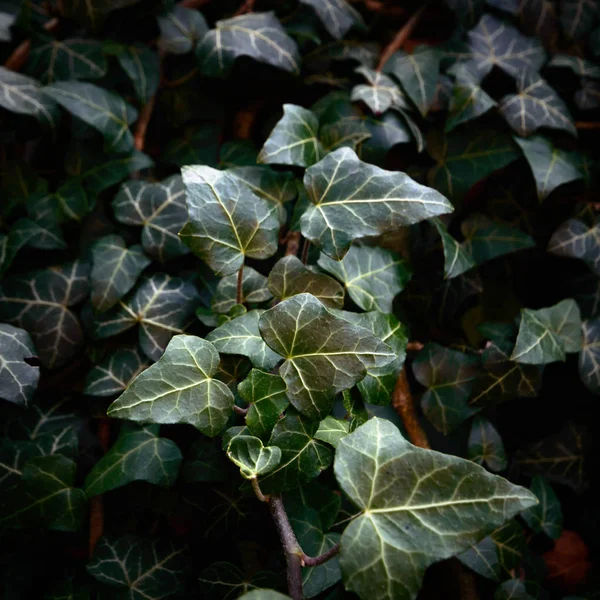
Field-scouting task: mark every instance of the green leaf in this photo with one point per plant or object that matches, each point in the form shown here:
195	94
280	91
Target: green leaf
40	302
144	569
179	388
227	222
551	166
337	16
456	259
467	12
225	581
69	202
391	483
44	233
253	459
263	594
160	304
137	455
485	445
588	97
417	74
294	140
199	144
373	202
379	93
303	457
115	269
448	376
18	379
324	354
513	589
589	357
92	13
290	277
205	462
578	17
535	105
102	110
113	375
548	334
181	29
160	208
45	497
266	395
577	239
24	95
142	67
372	276
332	430
20	235
579	66
546	516
257	35
254	290
53	60
241	336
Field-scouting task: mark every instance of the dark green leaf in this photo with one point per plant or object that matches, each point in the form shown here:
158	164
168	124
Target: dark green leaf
206	462
588	97
225	581
578	17
456	259
199	145
513	589
547	515
142	67
579	66
485	445
577	239
253	459
19	236
181	29
112	376
92	13
589	357
254	290
337	16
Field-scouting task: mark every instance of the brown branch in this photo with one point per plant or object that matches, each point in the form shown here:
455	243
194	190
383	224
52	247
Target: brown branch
381	7
181	80
305	249
143	121
587	125
414	346
401	37
96	502
239	410
293	243
315	561
21	53
248	6
258	491
403	402
239	290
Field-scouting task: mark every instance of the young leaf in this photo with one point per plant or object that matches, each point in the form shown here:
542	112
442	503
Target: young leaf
332	430
337	16
142	67
589	357
181	29
227	222
115	269
137	455
547	515
379	94
18	379
103	110
179	388
371	467
485	445
253	459
254	290
375	202
257	35
113	375
324	354
372	276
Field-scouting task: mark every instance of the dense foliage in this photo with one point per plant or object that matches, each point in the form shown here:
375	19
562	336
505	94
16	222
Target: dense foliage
299	298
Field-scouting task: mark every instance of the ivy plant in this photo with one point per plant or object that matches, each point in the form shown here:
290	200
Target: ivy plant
299	299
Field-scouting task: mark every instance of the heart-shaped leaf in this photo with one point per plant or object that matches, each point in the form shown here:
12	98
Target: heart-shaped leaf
180	29
253	459
112	376
547	516
337	16
408	520
485	445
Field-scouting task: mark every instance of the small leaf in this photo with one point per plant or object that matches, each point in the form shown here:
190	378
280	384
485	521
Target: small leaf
379	94
115	269
337	16
485	445
253	459
332	430
179	388
143	68
290	277
371	467
257	35
324	354
577	239
376	202
113	375
103	110
456	259
227	222
137	455
18	379
548	334
181	29
589	357
547	515
254	290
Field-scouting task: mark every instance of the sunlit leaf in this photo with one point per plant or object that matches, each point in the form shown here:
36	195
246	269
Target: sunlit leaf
579	66
181	29
485	445
112	376
336	15
547	516
513	589
264	594
589	358
18	379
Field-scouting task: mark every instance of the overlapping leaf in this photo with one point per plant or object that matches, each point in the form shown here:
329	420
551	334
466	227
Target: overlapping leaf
254	290
456	260
181	29
485	445
547	516
198	145
588	97
577	239
589	358
379	93
142	67
112	375
226	581
18	378
337	16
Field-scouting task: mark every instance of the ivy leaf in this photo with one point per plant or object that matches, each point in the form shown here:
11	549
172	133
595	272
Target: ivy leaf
45	497
179	388
227	222
379	93
254	290
589	358
303	457
181	29
19	236
456	259
294	139
115	269
372	276
579	66
24	95
142	67
578	17
145	569
226	581
241	336
448	376
92	13
253	459
376	202
160	304
485	445
417	74
103	110
290	277
547	515
371	467
39	303
588	97
536	105
576	239
332	430
160	208
263	594
551	166
265	393
18	379
548	334
513	589
53	60
199	144
257	35
324	354
467	12
113	375
337	16
137	455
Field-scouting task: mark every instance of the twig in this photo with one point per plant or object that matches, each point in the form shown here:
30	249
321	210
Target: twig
401	37
305	249
414	346
142	124
181	80
248	6
258	491
402	401
21	53
239	410
96	502
315	561
244	119
239	290
293	243
587	124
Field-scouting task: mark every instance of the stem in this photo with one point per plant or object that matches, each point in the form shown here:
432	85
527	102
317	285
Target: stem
96	502
305	249
239	410
181	80
258	491
587	124
239	292
248	6
315	561
414	346
21	53
293	243
291	548
402	401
